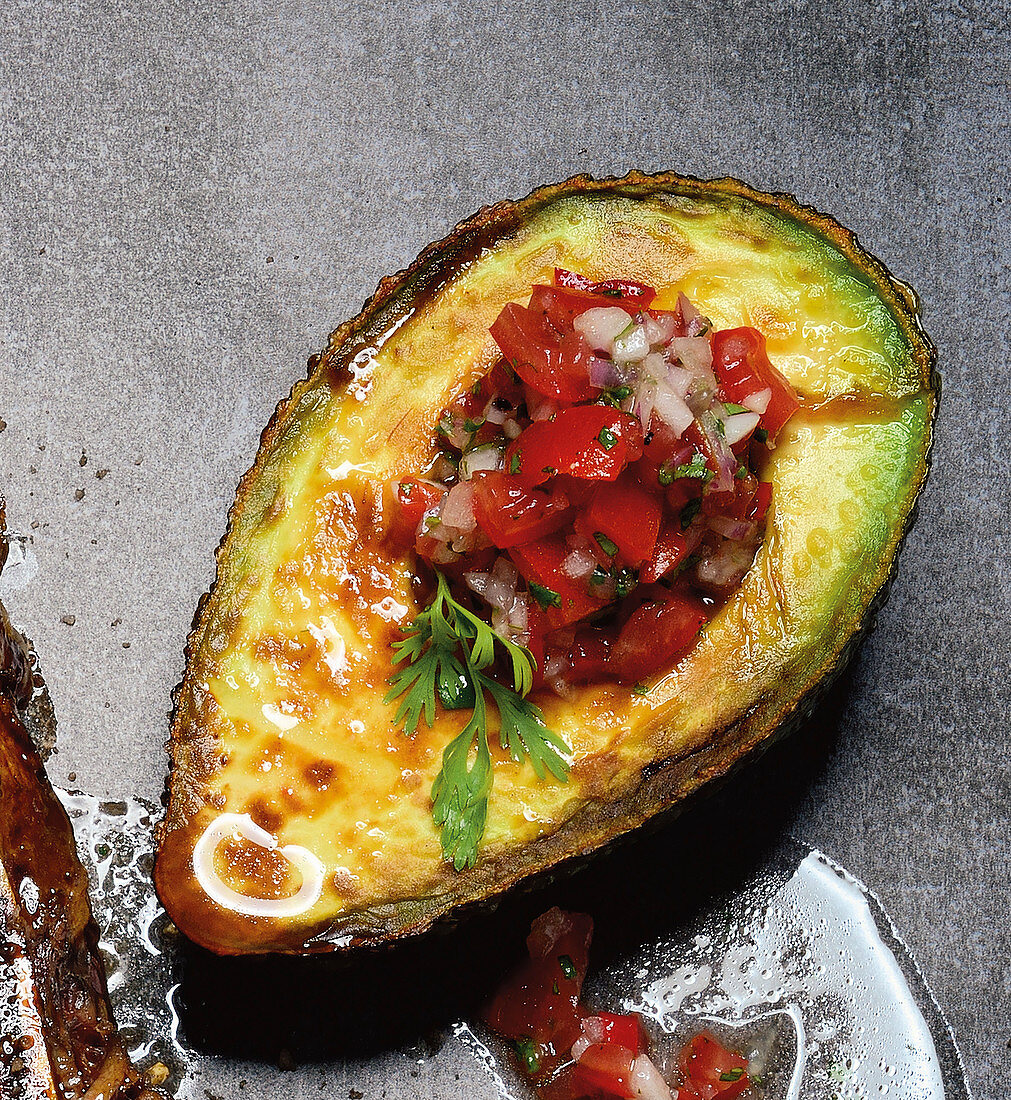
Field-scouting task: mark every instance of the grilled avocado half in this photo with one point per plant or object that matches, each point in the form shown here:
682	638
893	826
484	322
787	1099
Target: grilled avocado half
300	815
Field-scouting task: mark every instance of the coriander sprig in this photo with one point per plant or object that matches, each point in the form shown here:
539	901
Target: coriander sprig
446	649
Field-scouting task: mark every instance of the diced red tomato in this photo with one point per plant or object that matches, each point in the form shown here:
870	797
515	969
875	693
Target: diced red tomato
510	513
588	656
665	448
552	363
604	1068
627	514
672	547
562	599
760	502
588	441
638	293
661	629
625	1030
540	1001
414	498
712	1072
743	368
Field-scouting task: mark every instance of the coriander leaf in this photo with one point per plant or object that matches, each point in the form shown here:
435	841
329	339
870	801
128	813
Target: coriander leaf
445	649
696	468
460	791
609	547
522	732
607	439
546	597
733	410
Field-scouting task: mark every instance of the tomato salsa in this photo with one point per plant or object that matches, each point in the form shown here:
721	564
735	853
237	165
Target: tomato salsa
571	1053
597	492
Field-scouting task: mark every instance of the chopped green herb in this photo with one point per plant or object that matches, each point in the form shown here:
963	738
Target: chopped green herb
514	463
609	291
610	548
614	395
624	582
607	439
735	409
742	472
695	468
640	689
720	426
526	1050
599	575
473	425
554	987
665	475
734	1074
568	966
689	512
546	597
762	435
446	649
550	470
431	521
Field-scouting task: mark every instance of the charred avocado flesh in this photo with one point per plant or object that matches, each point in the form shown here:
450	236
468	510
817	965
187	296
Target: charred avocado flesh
300	814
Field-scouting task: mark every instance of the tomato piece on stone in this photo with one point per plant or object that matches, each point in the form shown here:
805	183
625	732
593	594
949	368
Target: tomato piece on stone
712	1072
540	1001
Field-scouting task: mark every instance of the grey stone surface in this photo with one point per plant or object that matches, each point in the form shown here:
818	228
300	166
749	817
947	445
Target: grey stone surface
193	194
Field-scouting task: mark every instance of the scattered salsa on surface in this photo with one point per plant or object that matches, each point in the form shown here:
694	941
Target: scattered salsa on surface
596	494
571	1053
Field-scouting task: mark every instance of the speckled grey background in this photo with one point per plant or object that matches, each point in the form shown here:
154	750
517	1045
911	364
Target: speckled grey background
193	194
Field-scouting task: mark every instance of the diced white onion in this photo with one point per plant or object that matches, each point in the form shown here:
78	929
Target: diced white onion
645	398
730	528
659	330
647	1082
654	366
739	426
601	325
489	457
631	346
458	507
477	582
594	1028
727	566
695	352
495	415
758	402
578	564
242	825
671	409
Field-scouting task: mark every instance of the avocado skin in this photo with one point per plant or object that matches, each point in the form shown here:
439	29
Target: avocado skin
665	783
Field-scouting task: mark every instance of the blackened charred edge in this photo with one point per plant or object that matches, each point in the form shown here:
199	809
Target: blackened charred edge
429	272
